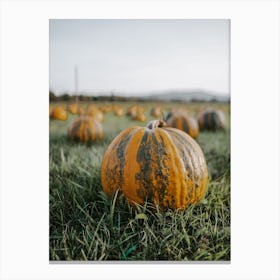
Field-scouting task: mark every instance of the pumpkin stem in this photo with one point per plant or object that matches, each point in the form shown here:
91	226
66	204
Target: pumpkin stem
155	123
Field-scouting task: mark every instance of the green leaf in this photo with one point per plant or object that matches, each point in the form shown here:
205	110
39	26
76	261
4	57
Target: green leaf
130	250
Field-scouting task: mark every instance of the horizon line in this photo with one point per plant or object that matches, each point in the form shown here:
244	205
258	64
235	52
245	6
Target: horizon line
137	93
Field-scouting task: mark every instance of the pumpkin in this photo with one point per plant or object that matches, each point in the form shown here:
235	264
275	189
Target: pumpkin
158	164
81	111
211	120
73	108
59	113
138	114
119	111
132	110
140	117
94	112
85	129
155	112
184	122
141	110
105	108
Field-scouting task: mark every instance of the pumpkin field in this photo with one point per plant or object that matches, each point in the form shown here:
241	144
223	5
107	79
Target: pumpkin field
87	224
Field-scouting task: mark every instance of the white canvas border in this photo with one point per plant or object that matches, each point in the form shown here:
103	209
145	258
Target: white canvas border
254	150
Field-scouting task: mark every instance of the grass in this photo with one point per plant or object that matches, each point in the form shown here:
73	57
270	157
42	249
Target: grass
87	225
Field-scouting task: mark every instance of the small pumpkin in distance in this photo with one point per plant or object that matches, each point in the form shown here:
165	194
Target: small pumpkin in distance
132	110
211	120
81	111
140	118
118	111
106	108
160	164
59	113
156	112
141	110
73	108
139	114
183	121
85	129
93	111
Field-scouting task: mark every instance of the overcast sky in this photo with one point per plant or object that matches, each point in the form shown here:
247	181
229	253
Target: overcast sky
138	56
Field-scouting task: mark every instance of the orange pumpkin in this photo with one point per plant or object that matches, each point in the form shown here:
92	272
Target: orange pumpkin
132	110
159	164
81	111
59	113
211	120
140	117
105	108
184	122
73	108
85	129
118	110
138	114
94	112
156	112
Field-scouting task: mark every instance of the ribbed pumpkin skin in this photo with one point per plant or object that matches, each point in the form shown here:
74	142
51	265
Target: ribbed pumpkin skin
85	129
162	165
211	120
183	122
59	113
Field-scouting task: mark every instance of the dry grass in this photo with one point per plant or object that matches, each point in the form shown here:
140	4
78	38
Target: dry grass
86	225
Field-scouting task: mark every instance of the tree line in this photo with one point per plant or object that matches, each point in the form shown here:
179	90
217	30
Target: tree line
114	98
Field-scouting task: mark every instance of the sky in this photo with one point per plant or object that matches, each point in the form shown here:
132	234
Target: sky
139	56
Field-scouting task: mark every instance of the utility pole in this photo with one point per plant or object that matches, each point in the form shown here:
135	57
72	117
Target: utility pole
76	83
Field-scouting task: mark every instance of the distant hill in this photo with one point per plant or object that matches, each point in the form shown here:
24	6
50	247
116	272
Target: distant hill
187	96
165	96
